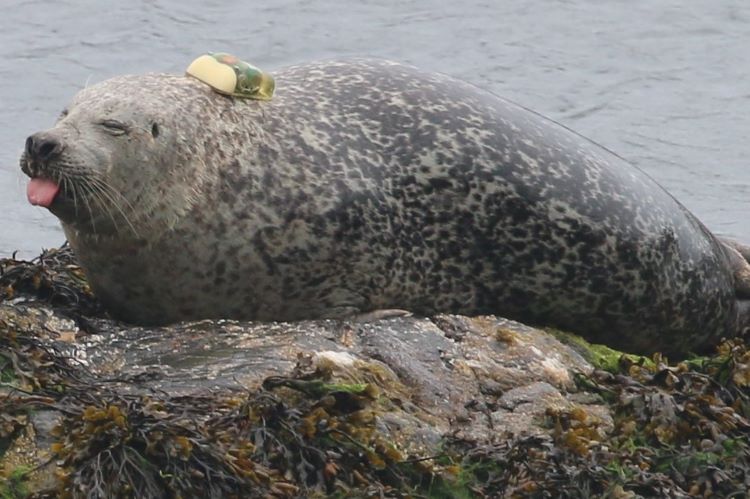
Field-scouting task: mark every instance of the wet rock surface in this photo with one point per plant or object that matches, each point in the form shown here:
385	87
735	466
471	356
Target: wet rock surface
486	375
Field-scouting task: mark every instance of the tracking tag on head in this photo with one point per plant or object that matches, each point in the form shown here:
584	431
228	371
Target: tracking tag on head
229	75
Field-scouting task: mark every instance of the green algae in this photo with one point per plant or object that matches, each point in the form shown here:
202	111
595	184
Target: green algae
600	356
15	485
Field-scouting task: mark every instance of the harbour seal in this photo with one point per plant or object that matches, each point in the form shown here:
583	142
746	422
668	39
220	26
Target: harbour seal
365	185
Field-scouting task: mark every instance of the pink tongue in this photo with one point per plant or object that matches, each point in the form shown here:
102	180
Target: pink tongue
42	191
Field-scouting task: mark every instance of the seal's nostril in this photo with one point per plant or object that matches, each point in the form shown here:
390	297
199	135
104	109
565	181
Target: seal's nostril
42	146
47	148
29	145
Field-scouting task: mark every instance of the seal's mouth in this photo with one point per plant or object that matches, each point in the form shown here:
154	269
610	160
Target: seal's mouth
42	191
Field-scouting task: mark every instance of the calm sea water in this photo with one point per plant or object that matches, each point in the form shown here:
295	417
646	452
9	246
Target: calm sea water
665	84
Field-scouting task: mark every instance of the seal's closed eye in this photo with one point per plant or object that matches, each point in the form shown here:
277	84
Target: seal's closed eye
154	130
114	127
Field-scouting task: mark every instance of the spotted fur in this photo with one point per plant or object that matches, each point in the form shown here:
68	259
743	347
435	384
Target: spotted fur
368	184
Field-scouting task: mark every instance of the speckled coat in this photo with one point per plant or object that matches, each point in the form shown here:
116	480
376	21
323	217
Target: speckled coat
366	184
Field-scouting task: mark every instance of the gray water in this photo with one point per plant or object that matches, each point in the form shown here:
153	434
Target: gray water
665	84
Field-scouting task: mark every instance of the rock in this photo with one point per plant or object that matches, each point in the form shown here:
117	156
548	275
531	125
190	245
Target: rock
471	377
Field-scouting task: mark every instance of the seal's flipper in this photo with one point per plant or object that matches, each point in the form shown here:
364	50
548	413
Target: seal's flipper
740	267
742	249
743	322
742	282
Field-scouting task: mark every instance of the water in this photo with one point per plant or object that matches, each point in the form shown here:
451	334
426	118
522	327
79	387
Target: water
665	84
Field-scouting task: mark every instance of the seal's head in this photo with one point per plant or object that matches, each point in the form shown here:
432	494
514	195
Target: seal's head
117	153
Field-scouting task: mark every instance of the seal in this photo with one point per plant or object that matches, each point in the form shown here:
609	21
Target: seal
365	185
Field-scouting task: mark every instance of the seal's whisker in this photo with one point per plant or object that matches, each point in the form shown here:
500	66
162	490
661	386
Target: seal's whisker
88	205
110	194
70	186
114	192
102	202
87	185
105	193
72	180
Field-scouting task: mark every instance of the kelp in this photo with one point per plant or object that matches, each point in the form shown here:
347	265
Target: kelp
54	277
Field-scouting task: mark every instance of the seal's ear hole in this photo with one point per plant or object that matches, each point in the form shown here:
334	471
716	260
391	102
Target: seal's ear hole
155	130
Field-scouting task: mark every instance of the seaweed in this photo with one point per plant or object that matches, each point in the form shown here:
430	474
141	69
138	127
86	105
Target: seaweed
53	278
15	486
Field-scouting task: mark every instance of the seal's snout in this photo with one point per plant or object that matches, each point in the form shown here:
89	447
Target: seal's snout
43	146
